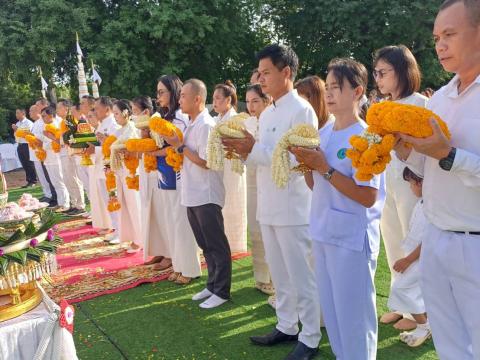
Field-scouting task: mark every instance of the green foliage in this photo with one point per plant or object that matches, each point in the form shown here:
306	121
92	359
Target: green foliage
320	30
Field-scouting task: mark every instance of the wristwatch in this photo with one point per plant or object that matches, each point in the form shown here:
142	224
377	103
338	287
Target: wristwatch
180	149
446	163
328	175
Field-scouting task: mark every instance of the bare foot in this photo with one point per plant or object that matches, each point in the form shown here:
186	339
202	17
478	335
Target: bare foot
390	317
405	324
164	264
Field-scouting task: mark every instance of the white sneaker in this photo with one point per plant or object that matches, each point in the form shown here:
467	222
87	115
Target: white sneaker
205	293
133	250
212	302
111	235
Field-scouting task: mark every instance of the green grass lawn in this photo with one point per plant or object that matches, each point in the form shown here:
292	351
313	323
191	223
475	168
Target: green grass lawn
159	321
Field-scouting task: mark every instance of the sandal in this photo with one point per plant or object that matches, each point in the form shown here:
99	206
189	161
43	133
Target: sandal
173	276
416	337
405	324
265	288
183	280
163	265
154	260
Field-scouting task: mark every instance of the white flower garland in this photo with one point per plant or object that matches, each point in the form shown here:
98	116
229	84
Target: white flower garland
231	128
129	131
304	135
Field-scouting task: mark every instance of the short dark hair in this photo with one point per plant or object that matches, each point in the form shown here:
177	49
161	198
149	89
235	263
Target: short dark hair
65	102
174	86
144	103
473	7
21	109
281	56
228	90
409	175
105	101
90	99
405	66
50	110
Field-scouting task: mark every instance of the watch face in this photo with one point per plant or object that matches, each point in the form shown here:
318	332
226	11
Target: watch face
446	163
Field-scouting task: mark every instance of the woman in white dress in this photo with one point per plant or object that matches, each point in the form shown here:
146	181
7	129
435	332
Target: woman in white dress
397	75
154	238
257	101
235	209
129	199
181	242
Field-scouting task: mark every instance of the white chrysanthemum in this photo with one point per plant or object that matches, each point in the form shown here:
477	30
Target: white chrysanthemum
372	138
232	128
303	135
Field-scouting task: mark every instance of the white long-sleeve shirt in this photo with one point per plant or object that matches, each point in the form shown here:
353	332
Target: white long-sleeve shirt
291	205
452	198
23	124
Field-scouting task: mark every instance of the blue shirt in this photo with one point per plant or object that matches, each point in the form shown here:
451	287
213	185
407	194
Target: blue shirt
334	218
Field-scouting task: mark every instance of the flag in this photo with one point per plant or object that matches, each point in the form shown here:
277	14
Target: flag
44	83
96	77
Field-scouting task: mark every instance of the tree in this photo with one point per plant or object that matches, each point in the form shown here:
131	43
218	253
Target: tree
320	30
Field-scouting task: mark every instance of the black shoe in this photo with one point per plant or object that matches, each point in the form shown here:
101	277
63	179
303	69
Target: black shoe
44	199
26	186
72	209
275	337
75	212
52	204
302	352
32	184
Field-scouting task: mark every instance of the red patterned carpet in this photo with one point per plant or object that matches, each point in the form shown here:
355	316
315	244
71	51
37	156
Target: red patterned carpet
90	267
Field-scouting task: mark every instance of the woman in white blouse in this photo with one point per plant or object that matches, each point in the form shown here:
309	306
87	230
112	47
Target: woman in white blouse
235	209
397	75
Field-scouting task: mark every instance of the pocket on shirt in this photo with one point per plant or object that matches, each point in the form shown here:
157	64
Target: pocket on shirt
346	229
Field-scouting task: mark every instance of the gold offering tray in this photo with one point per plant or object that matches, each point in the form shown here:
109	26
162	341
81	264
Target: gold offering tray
22	300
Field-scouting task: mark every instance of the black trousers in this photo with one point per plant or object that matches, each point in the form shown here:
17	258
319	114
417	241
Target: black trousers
50	185
27	165
207	226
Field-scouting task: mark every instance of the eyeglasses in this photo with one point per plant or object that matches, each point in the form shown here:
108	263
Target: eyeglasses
380	73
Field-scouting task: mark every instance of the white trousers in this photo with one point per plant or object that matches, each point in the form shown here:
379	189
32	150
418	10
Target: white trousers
83	173
43	180
72	182
450	280
129	214
289	256
261	273
55	172
182	243
347	293
396	215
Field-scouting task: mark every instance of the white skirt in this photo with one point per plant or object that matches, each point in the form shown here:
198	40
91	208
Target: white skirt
129	213
235	209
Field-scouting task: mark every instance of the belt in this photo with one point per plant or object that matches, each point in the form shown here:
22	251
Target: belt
466	232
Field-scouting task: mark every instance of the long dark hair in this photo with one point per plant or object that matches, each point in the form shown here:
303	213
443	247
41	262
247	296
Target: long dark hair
124	105
174	86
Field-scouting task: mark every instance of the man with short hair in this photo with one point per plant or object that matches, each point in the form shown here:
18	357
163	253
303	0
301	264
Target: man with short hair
203	193
22	148
450	268
284	214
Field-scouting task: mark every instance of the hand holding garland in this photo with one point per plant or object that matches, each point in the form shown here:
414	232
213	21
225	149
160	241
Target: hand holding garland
242	147
176	142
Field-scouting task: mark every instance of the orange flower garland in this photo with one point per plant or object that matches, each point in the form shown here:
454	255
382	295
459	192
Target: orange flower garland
164	127
41	154
22	133
174	159
52	129
149	162
106	150
111	182
370	152
33	144
131	163
141	145
133	182
113	204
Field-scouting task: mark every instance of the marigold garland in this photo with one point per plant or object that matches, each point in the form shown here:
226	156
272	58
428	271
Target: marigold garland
41	154
174	159
149	162
22	133
113	204
133	183
141	145
231	128
304	135
106	147
110	181
370	152
131	163
52	129
164	128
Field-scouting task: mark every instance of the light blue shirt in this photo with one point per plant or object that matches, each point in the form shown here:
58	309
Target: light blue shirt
336	219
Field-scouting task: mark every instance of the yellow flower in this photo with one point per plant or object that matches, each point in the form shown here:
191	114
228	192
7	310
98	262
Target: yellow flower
141	145
106	146
113	204
174	159
149	163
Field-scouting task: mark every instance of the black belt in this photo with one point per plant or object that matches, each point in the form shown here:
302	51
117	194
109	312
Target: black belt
466	232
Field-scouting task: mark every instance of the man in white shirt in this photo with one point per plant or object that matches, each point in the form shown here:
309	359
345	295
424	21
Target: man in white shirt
52	161
283	214
450	268
22	149
37	127
69	167
203	193
107	126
